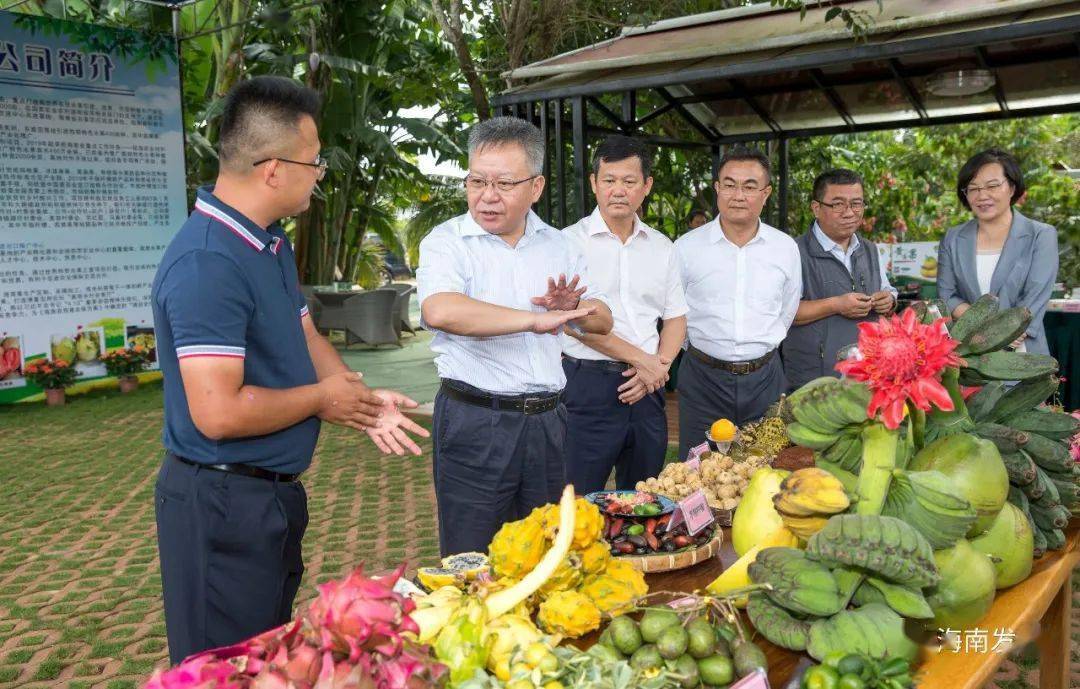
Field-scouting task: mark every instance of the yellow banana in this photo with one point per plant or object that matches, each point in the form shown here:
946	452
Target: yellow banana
811	492
804	527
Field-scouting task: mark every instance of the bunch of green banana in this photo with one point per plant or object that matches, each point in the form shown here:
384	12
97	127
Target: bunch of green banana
1032	439
886	547
807	498
874	630
928	501
829	413
796	583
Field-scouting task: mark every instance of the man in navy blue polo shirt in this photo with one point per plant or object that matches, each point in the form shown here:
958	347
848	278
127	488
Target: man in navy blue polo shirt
247	381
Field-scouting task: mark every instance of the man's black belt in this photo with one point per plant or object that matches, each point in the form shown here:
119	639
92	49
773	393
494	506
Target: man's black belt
605	365
534	403
739	368
242	469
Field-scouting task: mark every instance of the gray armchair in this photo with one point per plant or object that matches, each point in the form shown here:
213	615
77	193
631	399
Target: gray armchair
404	292
369	317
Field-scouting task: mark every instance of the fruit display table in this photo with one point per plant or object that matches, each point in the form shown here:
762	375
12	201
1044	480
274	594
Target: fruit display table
1039	607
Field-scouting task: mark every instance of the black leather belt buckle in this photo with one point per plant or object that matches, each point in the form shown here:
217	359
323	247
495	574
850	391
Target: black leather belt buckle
538	405
742	368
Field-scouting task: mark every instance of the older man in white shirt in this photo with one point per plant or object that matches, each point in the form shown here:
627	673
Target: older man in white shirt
615	382
844	281
743	283
493	286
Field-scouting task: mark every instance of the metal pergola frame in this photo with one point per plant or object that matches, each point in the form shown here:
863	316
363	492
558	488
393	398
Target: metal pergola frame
546	105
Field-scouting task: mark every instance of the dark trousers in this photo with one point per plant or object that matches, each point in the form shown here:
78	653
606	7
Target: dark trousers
602	432
707	394
230	554
492	467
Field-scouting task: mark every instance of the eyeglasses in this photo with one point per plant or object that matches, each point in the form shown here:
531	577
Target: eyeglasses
479	184
320	164
731	189
840	206
989	188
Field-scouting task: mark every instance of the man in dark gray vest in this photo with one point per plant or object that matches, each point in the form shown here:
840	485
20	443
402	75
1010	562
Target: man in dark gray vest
843	281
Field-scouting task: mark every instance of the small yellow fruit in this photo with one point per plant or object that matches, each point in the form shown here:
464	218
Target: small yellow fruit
553	684
722	431
520	684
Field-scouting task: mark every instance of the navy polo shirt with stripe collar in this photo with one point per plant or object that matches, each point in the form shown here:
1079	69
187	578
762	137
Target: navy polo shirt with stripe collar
228	288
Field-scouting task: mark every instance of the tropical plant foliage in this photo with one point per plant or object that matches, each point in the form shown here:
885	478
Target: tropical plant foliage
375	61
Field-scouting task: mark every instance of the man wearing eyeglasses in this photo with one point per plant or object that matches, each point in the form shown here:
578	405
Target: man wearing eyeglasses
248	380
615	382
497	285
743	282
844	281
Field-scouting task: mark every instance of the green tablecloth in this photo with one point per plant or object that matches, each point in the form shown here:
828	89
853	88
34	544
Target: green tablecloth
1063	337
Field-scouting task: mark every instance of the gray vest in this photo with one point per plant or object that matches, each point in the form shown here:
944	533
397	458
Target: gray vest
809	351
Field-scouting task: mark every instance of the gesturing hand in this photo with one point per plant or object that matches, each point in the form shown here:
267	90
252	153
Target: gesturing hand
348	402
551	322
561	296
389	436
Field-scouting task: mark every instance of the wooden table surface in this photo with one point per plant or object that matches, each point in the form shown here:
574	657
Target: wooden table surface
1043	599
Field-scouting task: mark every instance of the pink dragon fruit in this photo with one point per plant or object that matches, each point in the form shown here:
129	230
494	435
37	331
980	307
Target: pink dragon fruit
361	614
350	638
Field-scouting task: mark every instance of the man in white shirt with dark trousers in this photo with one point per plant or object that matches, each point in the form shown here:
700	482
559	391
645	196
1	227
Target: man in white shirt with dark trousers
496	285
743	282
615	383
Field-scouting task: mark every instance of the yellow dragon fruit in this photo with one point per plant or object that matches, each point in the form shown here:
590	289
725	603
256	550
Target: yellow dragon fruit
612	596
621	570
568	613
567	576
459	625
588	522
517	548
594	559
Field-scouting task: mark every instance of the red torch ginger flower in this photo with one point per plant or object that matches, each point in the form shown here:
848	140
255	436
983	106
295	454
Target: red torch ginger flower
901	360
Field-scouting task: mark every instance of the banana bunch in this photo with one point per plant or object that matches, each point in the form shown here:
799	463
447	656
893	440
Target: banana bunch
807	498
1032	439
928	501
829	413
804	596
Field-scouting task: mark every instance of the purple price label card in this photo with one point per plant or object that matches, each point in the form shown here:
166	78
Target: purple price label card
694	510
695	452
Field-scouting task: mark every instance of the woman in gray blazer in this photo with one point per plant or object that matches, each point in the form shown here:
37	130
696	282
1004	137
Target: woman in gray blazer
999	251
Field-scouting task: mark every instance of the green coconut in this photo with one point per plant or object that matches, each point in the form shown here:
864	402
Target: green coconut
1010	545
974	465
966	589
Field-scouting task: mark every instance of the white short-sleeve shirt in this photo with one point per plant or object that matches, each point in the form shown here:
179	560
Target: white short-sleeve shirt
460	256
640	279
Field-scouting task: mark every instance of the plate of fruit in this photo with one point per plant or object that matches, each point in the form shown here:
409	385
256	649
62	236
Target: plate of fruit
631	503
651	536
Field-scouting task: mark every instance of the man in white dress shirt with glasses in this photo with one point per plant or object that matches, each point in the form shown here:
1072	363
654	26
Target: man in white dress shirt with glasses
496	285
615	382
743	282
